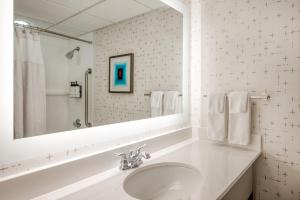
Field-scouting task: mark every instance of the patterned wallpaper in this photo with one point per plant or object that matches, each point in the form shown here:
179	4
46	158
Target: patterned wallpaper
254	45
155	38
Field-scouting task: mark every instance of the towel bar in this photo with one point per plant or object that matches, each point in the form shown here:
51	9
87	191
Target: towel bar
149	94
265	97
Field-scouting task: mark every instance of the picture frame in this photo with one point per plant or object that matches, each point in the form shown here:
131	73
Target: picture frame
121	68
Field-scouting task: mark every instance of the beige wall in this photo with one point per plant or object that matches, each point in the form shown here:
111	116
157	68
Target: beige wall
254	45
155	38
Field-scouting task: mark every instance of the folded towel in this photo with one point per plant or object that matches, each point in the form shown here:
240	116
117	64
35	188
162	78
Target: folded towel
156	103
171	102
216	129
239	118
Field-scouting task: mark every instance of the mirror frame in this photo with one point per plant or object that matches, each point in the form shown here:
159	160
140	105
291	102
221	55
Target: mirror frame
12	150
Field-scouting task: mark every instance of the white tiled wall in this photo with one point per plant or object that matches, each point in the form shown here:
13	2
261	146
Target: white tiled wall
54	50
254	45
62	110
78	65
155	38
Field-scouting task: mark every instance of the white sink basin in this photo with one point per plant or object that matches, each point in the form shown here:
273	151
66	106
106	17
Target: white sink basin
163	181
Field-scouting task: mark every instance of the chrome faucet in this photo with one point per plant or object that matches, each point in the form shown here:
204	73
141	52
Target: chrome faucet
133	159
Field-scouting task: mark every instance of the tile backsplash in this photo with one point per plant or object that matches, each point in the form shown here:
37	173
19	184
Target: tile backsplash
254	46
155	38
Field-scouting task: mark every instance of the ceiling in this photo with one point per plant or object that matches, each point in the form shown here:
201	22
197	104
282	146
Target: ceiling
77	17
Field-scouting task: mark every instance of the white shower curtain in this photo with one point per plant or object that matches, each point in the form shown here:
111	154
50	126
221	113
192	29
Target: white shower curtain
29	85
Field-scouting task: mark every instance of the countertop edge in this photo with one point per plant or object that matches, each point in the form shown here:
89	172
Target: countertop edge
90	181
239	176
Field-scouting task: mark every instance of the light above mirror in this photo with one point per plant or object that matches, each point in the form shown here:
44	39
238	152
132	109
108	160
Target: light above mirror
90	63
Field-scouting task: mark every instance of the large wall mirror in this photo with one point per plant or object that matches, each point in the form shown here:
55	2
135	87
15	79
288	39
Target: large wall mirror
87	63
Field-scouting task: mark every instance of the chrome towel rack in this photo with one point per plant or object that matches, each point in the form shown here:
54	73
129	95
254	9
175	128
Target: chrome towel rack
266	97
149	94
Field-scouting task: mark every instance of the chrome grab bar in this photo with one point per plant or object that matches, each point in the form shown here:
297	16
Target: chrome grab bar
86	111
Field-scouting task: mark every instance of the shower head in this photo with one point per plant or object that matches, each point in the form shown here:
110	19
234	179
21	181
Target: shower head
70	54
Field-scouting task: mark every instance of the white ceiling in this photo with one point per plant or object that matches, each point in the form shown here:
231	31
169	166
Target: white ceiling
118	10
76	17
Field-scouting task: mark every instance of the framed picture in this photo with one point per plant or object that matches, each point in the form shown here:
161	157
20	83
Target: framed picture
121	73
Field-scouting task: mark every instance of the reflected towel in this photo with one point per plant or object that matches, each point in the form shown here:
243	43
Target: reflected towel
171	102
216	129
239	118
156	103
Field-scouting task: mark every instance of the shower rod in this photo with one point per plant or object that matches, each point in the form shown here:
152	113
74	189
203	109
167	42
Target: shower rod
52	32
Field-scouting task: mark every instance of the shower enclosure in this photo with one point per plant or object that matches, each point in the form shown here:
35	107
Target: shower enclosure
71	107
67	63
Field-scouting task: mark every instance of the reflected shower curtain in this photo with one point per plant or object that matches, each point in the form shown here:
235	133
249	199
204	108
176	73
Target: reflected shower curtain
29	85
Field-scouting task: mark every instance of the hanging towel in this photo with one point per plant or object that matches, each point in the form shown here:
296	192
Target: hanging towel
156	103
171	102
178	108
216	129
239	118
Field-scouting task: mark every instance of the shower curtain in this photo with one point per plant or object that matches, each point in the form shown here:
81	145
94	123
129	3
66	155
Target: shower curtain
29	85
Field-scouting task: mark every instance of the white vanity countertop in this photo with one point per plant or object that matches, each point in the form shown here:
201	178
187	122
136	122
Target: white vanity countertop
220	166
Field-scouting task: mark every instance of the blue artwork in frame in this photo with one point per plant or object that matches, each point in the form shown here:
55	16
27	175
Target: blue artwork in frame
121	73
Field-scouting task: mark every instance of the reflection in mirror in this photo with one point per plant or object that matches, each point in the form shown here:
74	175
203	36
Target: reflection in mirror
87	63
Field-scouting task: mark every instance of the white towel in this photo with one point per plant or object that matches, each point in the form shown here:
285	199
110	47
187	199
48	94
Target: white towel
239	118
216	129
171	102
178	108
156	103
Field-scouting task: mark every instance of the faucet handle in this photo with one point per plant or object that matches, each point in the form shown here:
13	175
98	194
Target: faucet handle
137	151
122	155
147	155
141	147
